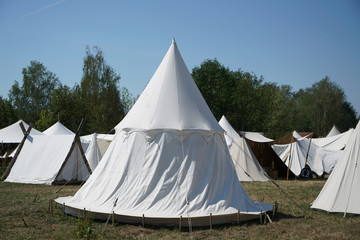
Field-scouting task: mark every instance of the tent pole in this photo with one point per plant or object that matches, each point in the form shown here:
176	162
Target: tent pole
307	154
287	173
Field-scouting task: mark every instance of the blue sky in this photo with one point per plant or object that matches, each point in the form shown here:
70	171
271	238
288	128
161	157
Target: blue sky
296	43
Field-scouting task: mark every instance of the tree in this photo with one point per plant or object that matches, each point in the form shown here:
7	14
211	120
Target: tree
216	84
35	93
99	93
7	113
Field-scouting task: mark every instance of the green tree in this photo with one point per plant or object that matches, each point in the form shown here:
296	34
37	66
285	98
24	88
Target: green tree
216	83
99	93
35	93
7	113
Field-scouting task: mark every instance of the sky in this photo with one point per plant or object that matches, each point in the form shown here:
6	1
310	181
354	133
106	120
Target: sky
294	43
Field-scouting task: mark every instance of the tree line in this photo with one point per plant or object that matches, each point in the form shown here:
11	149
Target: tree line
247	101
41	99
250	104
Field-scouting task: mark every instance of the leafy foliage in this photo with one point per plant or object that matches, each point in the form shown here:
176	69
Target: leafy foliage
35	93
99	93
250	104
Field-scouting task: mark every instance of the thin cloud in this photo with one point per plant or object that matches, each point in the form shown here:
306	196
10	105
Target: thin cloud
43	9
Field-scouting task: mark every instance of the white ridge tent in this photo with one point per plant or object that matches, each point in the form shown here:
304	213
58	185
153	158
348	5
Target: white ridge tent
245	162
168	161
333	132
14	134
49	159
341	192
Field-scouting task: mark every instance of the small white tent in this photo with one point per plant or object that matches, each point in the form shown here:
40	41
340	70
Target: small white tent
341	192
245	162
49	159
14	134
168	161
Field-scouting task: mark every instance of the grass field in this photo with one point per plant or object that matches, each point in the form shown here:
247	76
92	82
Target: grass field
24	215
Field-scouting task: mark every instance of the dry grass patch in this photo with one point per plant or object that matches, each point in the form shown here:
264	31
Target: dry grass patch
24	215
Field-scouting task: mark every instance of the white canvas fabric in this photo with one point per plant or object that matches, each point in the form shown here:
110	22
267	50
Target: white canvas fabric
168	159
341	192
93	154
246	165
256	137
336	142
58	129
14	134
333	132
230	133
41	158
319	158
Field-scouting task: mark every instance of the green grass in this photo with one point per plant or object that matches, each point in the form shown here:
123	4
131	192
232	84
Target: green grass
24	215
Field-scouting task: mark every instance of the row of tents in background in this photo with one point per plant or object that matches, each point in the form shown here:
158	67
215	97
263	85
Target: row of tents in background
170	160
59	157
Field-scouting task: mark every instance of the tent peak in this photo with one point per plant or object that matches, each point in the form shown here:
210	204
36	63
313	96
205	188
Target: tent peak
173	40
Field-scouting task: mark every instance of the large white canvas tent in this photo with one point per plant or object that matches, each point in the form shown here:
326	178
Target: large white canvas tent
341	192
168	162
245	162
14	134
49	159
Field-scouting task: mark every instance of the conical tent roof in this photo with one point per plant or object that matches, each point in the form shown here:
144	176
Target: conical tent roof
168	104
58	129
341	192
168	161
14	134
230	134
245	162
334	131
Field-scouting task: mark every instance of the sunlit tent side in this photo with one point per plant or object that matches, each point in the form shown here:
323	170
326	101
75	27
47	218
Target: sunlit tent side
168	163
341	192
49	159
268	159
14	134
245	162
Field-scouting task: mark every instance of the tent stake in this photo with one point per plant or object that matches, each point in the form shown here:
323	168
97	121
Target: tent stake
180	223
238	217
210	220
261	220
64	208
113	218
143	220
275	209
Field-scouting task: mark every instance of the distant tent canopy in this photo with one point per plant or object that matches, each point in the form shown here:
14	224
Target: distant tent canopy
333	132
320	154
268	159
49	159
245	162
99	143
58	129
168	162
341	192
